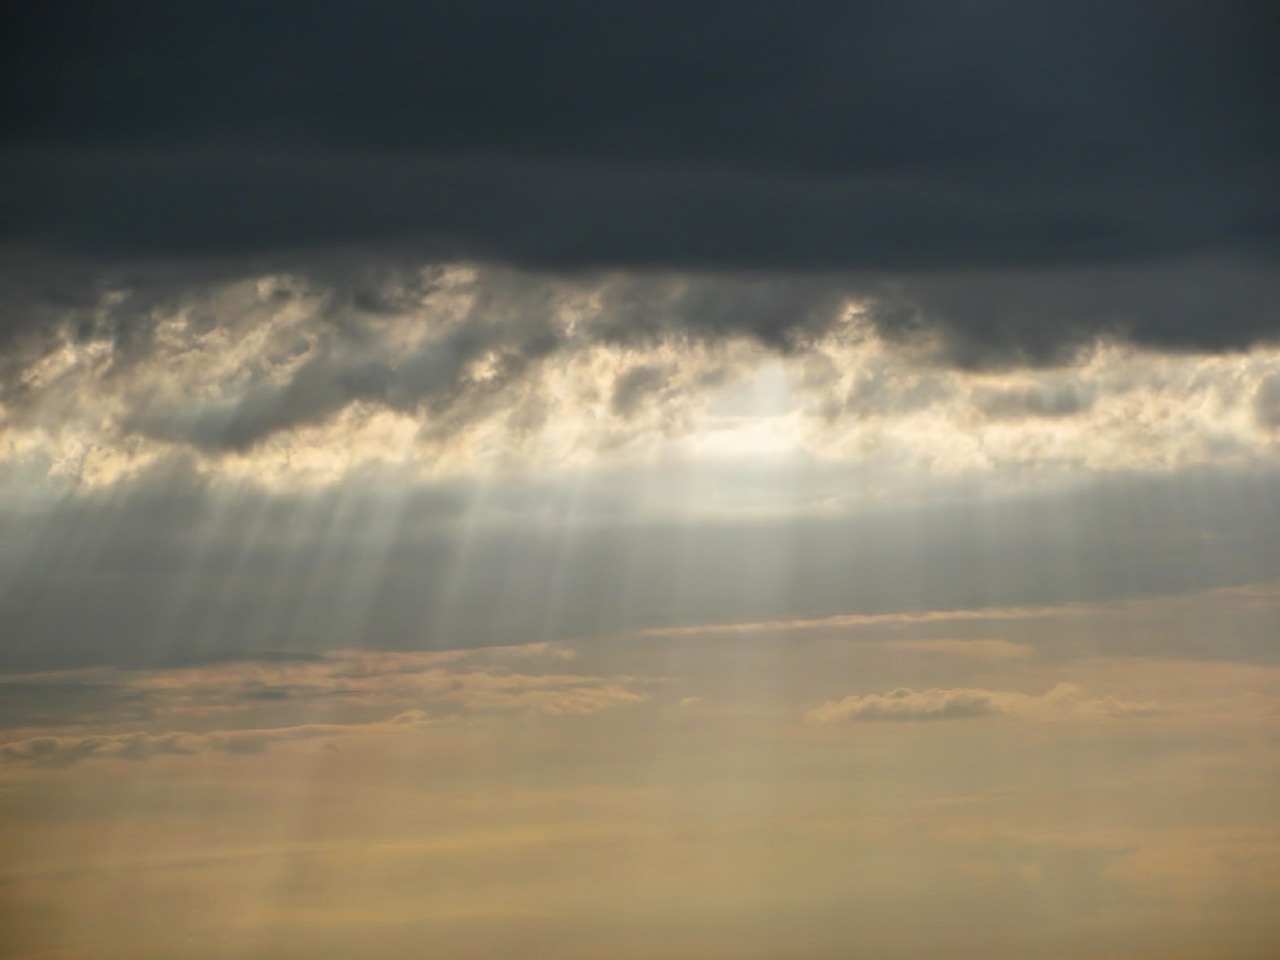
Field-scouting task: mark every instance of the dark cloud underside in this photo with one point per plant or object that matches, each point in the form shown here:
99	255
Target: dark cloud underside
888	141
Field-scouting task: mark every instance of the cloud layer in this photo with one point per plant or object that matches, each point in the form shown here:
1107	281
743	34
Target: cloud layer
724	133
1017	176
284	377
254	701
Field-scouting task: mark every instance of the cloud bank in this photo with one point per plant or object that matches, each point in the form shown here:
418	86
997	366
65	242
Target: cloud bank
280	377
1017	177
816	135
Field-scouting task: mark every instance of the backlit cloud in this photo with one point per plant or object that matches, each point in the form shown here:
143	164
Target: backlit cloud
282	381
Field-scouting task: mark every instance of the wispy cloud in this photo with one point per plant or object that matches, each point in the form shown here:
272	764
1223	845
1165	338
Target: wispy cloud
855	620
64	751
243	696
1063	702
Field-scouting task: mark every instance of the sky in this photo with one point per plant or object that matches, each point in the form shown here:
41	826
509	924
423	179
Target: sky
699	480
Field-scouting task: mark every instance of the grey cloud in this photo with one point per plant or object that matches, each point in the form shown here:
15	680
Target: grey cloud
1018	176
631	388
35	701
1266	403
275	690
478	345
990	123
310	371
66	751
976	319
510	322
260	691
54	751
645	308
1042	316
319	390
1041	400
267	693
876	391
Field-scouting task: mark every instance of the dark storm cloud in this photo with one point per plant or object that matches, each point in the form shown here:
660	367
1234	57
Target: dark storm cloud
947	157
1001	316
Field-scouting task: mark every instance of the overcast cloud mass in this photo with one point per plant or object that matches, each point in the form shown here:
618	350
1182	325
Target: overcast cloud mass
688	480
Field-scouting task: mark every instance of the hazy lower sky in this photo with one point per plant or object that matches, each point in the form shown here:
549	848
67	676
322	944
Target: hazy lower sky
789	481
